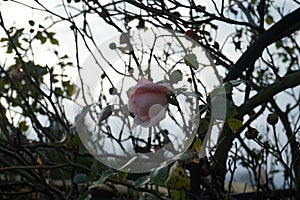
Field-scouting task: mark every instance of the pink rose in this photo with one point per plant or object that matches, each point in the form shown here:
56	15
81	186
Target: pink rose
148	101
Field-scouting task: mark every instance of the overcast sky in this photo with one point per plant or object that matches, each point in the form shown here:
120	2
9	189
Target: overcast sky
19	15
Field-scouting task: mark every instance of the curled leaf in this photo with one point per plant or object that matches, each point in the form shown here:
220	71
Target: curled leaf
81	179
175	76
141	181
105	113
159	175
191	61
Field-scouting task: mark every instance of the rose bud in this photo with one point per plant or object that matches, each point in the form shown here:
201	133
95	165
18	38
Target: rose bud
104	13
148	102
272	119
192	35
251	133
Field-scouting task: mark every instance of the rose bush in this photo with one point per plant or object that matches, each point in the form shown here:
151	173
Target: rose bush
148	101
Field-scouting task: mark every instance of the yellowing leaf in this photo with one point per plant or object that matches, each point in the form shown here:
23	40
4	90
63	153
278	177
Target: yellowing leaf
196	160
187	143
234	124
70	90
177	178
39	161
178	194
197	145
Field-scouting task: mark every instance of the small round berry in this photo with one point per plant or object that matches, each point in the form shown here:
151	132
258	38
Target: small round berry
272	119
251	133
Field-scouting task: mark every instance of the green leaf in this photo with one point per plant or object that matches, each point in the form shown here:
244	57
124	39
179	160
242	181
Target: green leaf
269	19
2	83
75	141
54	41
9	49
203	126
94	170
31	22
222	108
231	109
278	44
105	113
81	179
40	37
17	35
235	83
175	76
234	124
159	175
4	39
40	71
105	175
23	126
225	88
191	61
83	196
58	91
122	174
141	181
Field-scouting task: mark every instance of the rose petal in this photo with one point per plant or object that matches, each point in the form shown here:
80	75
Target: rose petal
146	85
154	110
150	98
159	116
154	120
143	81
152	87
132	105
